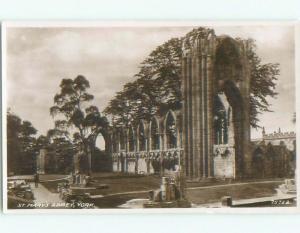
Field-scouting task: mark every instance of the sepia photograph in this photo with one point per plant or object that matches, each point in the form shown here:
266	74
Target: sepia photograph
151	116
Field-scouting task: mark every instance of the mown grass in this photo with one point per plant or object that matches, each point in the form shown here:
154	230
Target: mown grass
120	183
247	191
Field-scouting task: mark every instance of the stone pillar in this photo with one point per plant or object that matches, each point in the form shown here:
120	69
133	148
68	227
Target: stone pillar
161	153
210	97
147	155
136	149
200	116
245	90
230	128
194	114
178	136
189	118
118	150
76	163
203	113
197	92
126	150
205	71
137	139
164	137
41	161
185	125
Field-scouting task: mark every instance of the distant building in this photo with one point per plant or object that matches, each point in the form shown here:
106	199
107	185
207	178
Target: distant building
274	155
278	138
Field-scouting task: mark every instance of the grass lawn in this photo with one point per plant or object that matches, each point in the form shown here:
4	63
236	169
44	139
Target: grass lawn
119	183
115	201
246	191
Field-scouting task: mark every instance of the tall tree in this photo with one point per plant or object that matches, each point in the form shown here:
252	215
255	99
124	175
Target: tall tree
157	87
60	152
21	150
262	84
81	123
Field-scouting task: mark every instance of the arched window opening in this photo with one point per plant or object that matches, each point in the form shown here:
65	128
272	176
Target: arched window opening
100	142
154	135
142	137
122	140
131	139
220	122
115	143
171	132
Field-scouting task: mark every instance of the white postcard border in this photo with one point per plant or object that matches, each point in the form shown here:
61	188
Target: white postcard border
151	23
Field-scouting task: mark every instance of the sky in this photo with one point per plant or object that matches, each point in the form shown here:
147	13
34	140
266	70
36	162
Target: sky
38	58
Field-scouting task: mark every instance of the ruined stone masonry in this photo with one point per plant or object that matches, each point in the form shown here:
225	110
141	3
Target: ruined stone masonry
216	125
211	134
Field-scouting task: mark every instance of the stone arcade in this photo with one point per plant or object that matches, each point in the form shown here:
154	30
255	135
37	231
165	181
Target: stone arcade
150	147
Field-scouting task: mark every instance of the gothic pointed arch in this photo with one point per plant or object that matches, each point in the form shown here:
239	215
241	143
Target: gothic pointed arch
122	137
154	134
170	128
131	139
221	121
142	139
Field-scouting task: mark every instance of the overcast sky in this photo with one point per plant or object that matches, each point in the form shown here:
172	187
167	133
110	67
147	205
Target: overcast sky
38	58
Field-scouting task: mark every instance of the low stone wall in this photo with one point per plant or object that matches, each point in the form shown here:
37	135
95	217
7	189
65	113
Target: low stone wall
145	162
224	161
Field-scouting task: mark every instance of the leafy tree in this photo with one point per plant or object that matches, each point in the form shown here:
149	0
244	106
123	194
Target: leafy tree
21	150
60	152
262	84
157	87
80	123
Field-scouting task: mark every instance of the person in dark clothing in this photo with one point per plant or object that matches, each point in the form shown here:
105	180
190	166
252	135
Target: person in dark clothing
36	179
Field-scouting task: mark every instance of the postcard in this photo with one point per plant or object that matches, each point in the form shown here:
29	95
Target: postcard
149	117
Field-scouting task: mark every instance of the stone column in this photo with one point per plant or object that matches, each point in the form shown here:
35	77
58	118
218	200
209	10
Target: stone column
41	161
210	97
178	135
147	153
136	150
126	150
137	139
76	161
230	128
200	115
204	112
197	79
247	158
164	138
189	117
195	112
161	153
185	125
119	153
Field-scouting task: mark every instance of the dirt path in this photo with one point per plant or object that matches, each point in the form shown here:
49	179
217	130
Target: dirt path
44	198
